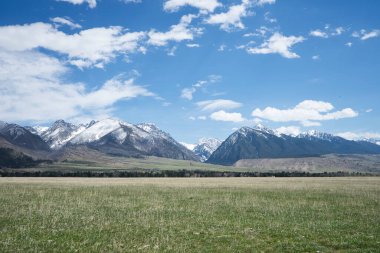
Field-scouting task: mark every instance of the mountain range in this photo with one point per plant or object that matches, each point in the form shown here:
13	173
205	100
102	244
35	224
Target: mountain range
117	138
109	136
261	142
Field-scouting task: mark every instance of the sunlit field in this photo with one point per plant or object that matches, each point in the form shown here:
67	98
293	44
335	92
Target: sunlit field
190	214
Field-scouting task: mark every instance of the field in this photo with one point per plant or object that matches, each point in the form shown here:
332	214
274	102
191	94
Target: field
190	214
98	163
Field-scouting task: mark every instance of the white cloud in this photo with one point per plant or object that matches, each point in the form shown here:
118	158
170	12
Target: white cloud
259	32
257	121
369	35
360	135
88	48
268	18
308	113
65	21
202	117
278	44
364	35
369	110
289	130
263	2
171	51
188	145
192	45
318	33
232	18
227	116
315	57
327	32
91	3
222	48
32	88
338	31
187	93
349	44
218	104
131	1
180	32
203	5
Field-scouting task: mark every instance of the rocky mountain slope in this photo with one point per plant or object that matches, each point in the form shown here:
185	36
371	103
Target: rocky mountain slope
112	137
205	147
253	143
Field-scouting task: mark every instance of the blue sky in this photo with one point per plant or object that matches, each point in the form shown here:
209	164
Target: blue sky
194	68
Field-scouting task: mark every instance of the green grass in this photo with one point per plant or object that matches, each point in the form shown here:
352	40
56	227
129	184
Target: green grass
190	215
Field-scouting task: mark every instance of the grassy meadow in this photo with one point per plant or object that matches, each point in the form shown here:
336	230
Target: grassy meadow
190	214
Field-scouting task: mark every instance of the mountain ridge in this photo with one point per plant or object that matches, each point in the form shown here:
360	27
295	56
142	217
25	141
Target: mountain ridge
254	143
120	138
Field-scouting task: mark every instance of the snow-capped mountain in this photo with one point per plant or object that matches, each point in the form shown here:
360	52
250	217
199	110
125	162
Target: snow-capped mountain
38	130
122	138
114	137
59	133
21	137
260	142
371	140
95	131
205	147
313	135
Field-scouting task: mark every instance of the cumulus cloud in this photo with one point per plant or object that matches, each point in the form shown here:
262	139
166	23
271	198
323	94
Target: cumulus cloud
192	45
222	47
65	21
203	5
218	104
188	145
365	35
91	3
227	116
360	136
88	48
263	2
369	35
179	32
308	113
327	32
32	88
187	93
315	57
131	1
268	18
232	18
318	33
289	130
278	44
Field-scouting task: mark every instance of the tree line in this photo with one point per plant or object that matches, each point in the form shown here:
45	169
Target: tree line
172	173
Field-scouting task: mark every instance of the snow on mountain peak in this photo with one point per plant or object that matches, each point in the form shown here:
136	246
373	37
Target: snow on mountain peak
97	131
317	135
205	147
148	127
264	129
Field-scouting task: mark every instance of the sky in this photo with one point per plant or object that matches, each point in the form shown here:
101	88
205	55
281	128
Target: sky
195	68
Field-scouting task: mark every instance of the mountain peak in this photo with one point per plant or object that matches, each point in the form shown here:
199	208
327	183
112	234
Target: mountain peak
317	135
244	130
205	147
148	127
264	129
